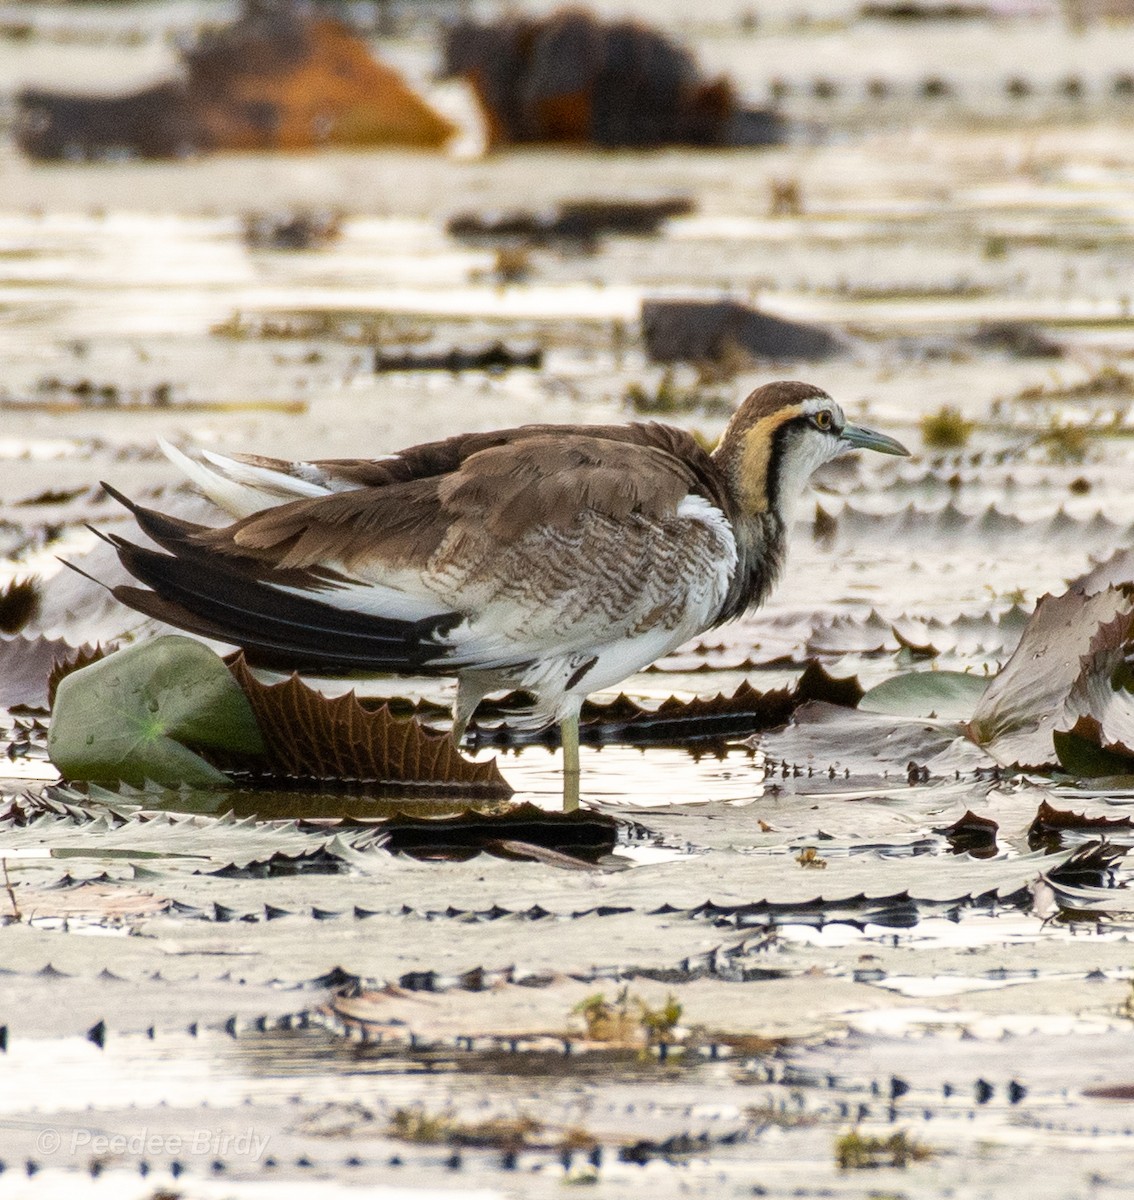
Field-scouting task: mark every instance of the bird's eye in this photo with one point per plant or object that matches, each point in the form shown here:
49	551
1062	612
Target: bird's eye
822	419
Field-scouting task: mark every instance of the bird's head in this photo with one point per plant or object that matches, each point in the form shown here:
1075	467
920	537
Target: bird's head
779	436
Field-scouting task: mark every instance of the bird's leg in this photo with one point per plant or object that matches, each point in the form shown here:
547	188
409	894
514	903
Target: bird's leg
460	724
472	686
569	738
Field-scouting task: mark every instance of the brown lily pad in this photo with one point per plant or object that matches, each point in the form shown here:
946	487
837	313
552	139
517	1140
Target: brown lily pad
972	834
679	722
1050	824
310	736
19	604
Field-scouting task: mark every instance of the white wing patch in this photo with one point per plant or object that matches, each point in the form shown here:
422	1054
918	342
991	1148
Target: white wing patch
373	599
242	488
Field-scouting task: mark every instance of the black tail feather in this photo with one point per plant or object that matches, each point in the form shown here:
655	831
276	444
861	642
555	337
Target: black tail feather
212	598
172	533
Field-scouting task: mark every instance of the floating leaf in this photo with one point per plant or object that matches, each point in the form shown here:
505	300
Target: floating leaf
308	735
27	666
950	695
1080	753
135	715
1050	824
678	722
1113	571
91	899
74	661
1024	704
822	737
168	842
1100	707
1088	867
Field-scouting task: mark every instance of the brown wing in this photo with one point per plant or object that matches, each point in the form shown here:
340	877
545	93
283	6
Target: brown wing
432	459
522	480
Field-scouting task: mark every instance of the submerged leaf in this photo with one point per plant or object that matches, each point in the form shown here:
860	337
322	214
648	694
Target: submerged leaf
582	835
1024	704
135	715
308	735
950	695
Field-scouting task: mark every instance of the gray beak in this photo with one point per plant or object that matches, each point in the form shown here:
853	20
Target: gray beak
854	437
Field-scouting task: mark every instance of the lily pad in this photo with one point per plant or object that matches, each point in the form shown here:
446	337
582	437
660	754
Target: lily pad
142	713
1096	734
310	736
29	665
1024	704
949	695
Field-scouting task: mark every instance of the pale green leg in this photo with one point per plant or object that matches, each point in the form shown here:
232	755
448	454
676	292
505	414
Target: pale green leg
569	736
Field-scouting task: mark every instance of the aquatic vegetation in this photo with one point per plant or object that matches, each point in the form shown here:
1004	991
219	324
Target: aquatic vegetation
856	1151
946	429
669	398
628	1019
1066	443
1107	382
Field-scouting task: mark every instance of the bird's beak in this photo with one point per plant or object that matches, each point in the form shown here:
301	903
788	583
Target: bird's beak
854	437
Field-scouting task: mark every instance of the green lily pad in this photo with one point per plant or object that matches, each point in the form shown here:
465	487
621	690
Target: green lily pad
949	695
140	715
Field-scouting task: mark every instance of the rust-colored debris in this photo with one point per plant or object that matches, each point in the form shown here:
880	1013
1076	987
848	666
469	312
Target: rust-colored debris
570	78
309	736
575	222
279	78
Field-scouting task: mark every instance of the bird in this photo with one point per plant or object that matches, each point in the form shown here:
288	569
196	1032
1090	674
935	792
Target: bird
555	559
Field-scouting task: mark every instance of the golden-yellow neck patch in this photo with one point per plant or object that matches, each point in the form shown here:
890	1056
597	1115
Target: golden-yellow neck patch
756	457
